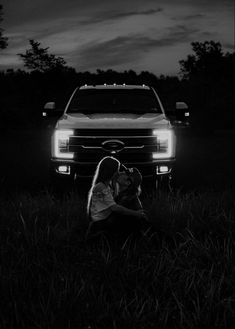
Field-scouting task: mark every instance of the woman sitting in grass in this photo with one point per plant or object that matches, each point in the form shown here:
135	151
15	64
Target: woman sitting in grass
103	211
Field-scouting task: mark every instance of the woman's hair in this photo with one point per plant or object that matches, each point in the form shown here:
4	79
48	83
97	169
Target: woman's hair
104	172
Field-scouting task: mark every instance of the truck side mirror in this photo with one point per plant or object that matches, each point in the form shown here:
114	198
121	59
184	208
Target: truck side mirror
182	112
48	107
50	110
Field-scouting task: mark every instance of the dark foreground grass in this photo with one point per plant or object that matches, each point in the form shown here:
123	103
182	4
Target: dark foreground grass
178	275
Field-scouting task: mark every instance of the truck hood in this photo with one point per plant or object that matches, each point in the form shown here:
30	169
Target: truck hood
112	121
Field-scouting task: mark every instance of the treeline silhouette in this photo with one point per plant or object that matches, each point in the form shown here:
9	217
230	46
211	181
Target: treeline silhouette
206	84
25	93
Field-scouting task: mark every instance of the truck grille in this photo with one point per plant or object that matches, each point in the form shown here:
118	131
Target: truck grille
113	132
137	144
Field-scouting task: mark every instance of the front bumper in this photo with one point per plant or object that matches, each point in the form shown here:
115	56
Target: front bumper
75	169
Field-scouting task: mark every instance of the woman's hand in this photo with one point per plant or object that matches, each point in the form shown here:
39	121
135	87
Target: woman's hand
141	214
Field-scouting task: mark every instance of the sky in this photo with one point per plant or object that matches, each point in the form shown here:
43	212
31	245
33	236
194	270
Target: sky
139	35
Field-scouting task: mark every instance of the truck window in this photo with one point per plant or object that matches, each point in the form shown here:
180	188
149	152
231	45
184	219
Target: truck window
114	101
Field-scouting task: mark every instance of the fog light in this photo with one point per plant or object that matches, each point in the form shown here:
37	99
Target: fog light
163	170
63	170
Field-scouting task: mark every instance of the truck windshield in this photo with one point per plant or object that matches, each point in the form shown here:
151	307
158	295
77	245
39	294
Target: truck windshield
138	101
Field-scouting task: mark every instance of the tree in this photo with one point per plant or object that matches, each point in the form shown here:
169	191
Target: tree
207	61
209	76
38	59
3	40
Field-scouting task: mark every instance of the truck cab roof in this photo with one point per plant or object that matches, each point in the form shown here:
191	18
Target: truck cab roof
114	86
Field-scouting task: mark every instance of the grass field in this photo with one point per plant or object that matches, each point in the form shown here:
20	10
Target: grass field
179	274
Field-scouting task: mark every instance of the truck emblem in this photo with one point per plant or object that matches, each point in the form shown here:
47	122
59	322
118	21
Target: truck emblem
113	145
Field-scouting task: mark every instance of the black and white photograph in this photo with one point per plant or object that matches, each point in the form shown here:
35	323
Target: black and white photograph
117	170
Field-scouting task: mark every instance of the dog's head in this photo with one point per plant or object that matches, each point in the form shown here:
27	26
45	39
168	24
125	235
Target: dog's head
130	177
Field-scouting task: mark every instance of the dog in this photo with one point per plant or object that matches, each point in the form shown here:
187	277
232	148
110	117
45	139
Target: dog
128	189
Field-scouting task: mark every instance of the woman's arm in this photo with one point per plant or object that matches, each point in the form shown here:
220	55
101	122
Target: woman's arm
127	212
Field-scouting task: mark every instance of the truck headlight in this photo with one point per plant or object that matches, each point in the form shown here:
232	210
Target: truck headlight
165	144
60	144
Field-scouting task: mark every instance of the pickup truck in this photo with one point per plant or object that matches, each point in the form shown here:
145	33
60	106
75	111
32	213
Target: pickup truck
124	121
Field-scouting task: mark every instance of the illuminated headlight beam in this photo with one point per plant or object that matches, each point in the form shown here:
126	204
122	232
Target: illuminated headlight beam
165	139
61	140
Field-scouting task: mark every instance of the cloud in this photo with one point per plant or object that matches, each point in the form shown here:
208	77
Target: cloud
179	33
189	17
229	46
94	33
9	60
117	14
199	3
128	49
120	50
86	11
